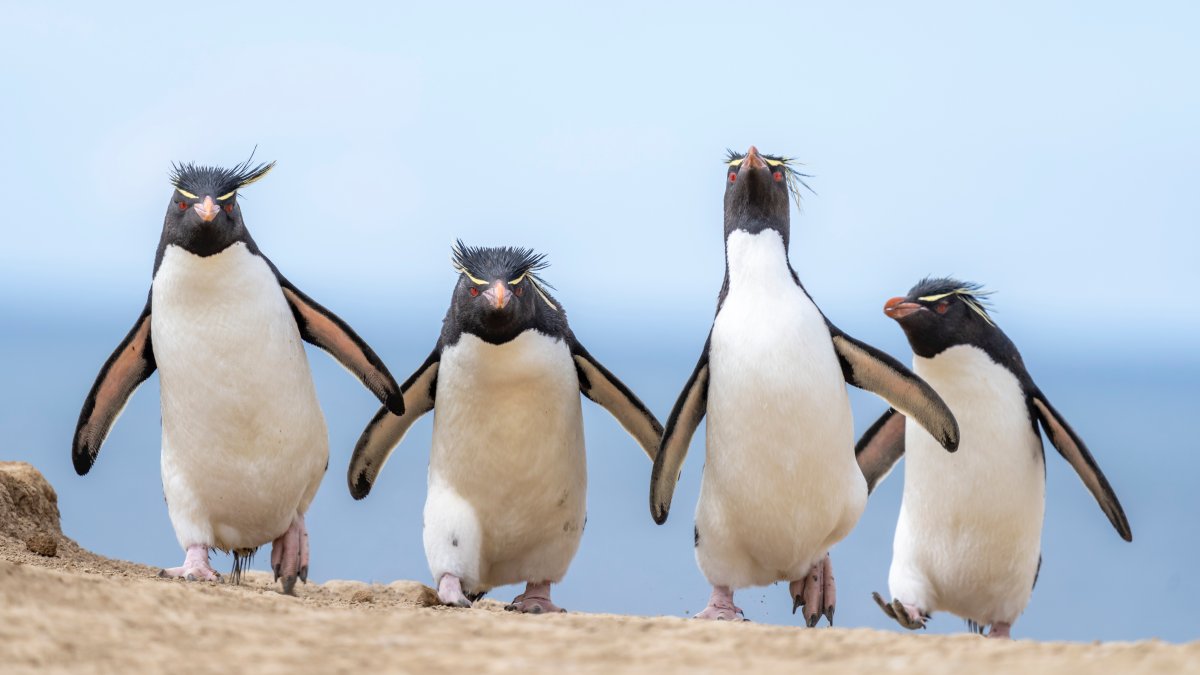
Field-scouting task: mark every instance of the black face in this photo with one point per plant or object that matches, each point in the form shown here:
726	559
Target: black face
203	224
498	296
203	216
940	313
756	194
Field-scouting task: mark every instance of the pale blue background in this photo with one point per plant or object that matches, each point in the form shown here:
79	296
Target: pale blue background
1050	152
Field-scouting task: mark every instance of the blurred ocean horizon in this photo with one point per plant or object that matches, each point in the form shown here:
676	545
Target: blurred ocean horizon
1045	150
1131	412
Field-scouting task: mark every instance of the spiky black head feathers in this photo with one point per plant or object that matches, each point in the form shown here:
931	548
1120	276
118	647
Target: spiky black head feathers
214	181
508	263
788	165
933	289
500	295
942	312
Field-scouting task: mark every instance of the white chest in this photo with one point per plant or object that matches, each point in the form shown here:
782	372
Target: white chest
772	364
504	410
228	349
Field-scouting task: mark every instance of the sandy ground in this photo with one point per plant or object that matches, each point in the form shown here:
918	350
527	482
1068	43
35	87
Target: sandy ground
78	612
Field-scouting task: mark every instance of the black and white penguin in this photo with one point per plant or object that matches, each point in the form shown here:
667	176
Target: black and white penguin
507	473
780	484
244	442
968	540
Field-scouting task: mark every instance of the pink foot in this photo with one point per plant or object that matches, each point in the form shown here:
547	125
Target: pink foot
1000	630
195	566
450	591
721	607
289	556
535	600
908	616
816	593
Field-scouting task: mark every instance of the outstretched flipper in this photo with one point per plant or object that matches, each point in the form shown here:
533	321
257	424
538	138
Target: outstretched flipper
386	430
1076	453
604	388
681	425
128	366
872	370
880	448
323	328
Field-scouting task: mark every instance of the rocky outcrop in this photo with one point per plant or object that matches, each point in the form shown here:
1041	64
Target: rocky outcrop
29	508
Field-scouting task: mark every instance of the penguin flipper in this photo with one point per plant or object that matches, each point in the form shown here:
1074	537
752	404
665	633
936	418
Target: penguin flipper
601	386
1071	447
386	429
128	366
323	328
872	370
681	425
880	448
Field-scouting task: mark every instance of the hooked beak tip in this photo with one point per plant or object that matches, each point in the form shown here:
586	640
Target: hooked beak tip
898	308
753	160
207	210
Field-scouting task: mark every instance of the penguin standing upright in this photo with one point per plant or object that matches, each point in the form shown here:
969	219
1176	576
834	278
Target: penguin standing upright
507	473
780	483
968	540
244	444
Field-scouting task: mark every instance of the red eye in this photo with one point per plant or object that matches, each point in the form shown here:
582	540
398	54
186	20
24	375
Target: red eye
778	176
183	206
229	208
942	307
732	177
519	291
473	291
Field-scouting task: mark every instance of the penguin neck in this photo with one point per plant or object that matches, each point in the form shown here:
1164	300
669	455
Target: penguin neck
757	259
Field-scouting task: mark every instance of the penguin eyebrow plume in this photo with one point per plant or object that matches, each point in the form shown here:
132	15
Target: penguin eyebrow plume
194	179
480	263
972	294
793	176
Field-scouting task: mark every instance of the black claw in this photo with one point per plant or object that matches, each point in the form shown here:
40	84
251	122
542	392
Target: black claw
304	574
797	603
829	614
276	568
812	620
289	585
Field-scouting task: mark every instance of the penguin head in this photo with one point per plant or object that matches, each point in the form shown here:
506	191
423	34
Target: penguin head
203	215
940	313
758	189
499	293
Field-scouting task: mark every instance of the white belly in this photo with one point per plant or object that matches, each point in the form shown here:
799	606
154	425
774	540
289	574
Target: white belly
780	484
970	526
507	471
244	441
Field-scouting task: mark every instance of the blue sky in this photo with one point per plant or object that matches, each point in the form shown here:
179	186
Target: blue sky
1049	152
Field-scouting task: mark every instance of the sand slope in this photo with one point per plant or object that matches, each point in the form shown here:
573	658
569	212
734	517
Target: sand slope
80	612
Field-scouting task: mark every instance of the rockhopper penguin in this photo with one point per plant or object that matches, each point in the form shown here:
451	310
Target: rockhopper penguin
244	444
507	473
781	485
969	536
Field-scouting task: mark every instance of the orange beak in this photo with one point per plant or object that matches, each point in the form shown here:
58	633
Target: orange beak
752	160
207	209
898	308
498	295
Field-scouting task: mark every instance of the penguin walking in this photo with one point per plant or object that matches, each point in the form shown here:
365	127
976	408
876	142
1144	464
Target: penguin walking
507	472
244	444
780	483
968	540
